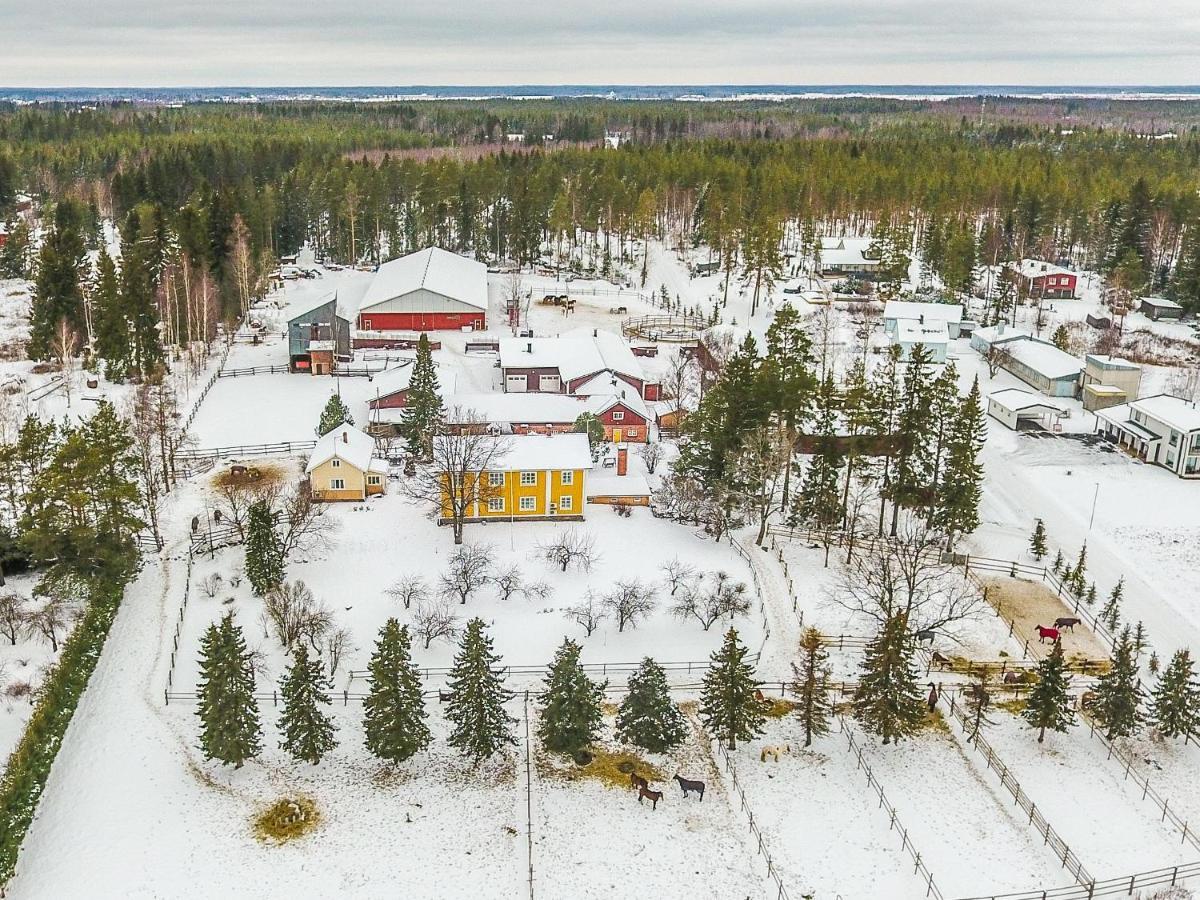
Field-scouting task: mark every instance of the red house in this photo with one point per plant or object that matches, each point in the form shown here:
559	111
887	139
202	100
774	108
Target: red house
430	290
1043	280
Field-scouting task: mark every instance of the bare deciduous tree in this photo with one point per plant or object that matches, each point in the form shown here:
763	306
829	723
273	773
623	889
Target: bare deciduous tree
572	548
409	589
760	464
302	524
680	385
652	454
433	621
677	574
588	613
51	619
537	590
457	479
63	347
293	614
470	569
630	600
508	582
998	357
334	647
712	599
13	611
908	576
211	584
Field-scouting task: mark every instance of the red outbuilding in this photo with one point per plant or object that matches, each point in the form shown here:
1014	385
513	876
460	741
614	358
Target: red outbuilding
431	290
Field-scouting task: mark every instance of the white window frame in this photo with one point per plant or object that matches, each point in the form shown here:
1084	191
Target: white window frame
528	504
631	432
618	416
566	501
373	479
496	479
529	479
337	484
495	504
567	476
335	463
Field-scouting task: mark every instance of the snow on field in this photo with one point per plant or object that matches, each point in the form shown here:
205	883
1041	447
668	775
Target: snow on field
1083	795
1171	767
822	825
22	668
372	546
955	811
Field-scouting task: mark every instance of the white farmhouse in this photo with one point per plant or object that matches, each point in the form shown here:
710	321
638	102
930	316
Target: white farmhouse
1162	429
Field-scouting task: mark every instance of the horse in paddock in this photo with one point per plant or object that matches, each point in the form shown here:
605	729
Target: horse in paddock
652	796
1012	678
688	786
925	635
942	662
1044	632
1067	623
774	751
637	781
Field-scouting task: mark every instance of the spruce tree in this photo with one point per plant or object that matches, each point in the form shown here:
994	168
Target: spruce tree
1139	639
571	715
888	701
1090	597
334	414
647	718
728	706
14	255
810	683
978	701
308	732
1110	612
230	730
912	446
58	291
394	712
961	487
1175	700
1061	338
818	504
423	413
142	248
264	555
477	697
1048	705
1057	566
1037	541
112	330
1119	693
1079	572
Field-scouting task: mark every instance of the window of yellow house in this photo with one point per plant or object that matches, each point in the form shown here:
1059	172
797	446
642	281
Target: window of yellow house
496	479
565	502
337	484
336	463
373	479
528	504
568	477
496	504
528	478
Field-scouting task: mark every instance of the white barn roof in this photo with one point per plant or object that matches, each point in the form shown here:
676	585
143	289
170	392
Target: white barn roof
434	270
1017	400
573	356
346	443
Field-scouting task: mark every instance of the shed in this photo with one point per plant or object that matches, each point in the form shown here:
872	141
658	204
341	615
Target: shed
1043	366
428	290
318	337
1161	308
1102	396
1022	410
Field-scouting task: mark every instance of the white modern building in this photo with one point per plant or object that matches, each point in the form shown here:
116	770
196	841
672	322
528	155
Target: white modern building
1162	429
1022	410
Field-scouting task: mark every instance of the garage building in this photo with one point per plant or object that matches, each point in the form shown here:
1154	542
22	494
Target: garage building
430	290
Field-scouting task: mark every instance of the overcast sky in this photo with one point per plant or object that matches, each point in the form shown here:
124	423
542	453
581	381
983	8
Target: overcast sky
109	43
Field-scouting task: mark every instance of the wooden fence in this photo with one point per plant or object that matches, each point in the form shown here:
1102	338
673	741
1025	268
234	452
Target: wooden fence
894	823
1123	885
244	451
253	370
528	797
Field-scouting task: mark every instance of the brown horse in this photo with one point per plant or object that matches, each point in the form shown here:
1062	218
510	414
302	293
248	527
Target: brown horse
637	781
652	796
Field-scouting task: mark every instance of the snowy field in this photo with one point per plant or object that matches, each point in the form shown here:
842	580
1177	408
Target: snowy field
23	667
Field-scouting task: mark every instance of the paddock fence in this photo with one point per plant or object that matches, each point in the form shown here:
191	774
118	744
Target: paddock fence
246	451
894	823
528	796
1123	885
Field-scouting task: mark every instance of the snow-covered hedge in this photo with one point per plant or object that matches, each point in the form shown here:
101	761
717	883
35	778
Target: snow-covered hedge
29	765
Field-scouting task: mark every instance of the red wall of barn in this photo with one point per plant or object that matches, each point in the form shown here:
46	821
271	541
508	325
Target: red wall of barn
395	400
420	321
631	418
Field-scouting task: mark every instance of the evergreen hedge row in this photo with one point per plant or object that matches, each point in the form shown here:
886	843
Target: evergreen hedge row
29	765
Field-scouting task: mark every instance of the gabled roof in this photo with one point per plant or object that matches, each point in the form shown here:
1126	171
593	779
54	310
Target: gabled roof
1036	268
510	409
346	443
574	356
1016	400
394	380
1161	302
1174	412
332	297
432	269
931	312
1045	359
540	453
599	404
910	331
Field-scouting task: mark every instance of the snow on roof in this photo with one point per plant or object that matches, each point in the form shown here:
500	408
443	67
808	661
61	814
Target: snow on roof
346	443
1119	415
1104	390
573	356
610	485
539	453
846	251
532	408
1036	268
1000	334
1161	302
340	309
1112	362
932	312
910	331
602	403
1016	400
434	270
1045	359
392	381
1175	412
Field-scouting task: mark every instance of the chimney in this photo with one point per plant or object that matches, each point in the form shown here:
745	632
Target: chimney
622	460
529	347
346	436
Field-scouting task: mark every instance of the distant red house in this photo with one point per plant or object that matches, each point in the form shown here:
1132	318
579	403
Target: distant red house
1043	280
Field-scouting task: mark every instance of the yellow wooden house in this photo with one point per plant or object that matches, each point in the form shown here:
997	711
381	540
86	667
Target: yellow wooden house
343	466
533	476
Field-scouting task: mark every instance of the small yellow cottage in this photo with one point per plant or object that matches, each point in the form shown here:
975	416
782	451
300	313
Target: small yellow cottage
343	466
536	477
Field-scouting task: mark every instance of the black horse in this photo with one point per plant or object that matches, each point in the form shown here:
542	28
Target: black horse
688	786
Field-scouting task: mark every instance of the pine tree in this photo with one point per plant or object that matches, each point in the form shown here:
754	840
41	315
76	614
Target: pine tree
1057	566
394	713
647	718
571	716
1079	572
230	730
888	701
978	702
1119	693
1110	612
1061	338
112	330
1048	705
334	414
810	683
264	555
423	413
728	706
1175	700
14	255
961	487
477	697
1037	542
308	732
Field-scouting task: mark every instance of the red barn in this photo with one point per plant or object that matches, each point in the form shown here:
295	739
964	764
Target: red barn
430	290
597	362
1043	280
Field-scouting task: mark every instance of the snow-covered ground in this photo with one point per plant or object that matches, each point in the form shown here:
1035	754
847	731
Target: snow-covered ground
22	669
